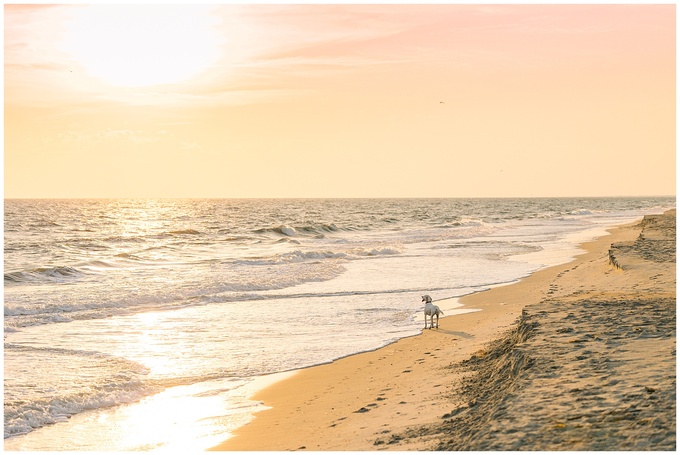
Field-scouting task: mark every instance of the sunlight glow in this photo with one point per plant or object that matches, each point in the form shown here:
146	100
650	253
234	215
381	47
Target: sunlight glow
175	420
142	45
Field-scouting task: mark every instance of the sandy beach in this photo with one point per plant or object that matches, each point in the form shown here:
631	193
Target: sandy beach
579	356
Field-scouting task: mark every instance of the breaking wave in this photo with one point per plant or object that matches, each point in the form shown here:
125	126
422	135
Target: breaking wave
294	231
123	384
53	274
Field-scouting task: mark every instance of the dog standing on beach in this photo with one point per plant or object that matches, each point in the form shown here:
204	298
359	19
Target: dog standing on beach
431	310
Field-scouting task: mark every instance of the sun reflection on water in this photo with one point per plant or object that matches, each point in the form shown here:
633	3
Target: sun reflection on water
190	418
174	420
161	341
139	216
183	419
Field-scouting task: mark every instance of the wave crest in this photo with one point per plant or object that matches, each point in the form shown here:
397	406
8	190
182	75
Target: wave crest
315	229
383	251
185	232
57	273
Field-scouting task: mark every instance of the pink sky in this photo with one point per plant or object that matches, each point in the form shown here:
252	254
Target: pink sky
339	100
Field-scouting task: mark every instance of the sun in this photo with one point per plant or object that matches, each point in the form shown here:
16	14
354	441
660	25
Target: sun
142	45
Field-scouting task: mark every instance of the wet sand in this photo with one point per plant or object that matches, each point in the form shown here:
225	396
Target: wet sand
579	356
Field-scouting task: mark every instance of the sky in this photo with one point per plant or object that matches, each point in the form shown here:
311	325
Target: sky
320	100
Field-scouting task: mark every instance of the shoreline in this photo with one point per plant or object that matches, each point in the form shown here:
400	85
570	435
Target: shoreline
372	400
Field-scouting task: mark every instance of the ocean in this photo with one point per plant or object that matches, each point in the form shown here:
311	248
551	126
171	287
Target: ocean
148	324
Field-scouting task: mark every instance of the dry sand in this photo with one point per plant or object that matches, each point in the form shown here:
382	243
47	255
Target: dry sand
579	356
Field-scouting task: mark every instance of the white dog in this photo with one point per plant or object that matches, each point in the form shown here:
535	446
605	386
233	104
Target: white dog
431	310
